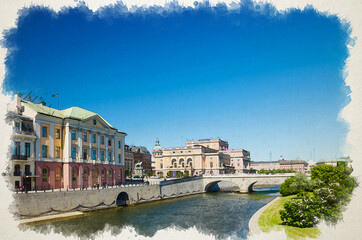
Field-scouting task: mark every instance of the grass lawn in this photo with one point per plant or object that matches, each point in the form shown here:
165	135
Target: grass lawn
270	220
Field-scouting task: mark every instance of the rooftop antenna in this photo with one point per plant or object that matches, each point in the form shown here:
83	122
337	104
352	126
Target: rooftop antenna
27	95
34	99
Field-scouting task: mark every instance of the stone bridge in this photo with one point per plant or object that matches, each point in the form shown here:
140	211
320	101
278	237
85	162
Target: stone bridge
39	203
245	182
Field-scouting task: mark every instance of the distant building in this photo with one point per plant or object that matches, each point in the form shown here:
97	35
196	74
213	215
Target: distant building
334	161
205	156
239	160
295	165
266	165
137	154
128	158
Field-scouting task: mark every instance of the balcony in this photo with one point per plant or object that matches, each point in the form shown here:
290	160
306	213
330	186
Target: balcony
19	157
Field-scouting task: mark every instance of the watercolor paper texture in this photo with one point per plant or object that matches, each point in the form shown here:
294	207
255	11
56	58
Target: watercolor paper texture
275	78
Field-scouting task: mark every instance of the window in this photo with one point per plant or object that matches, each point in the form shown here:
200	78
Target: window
161	165
57	133
74	153
93	138
94	154
119	175
85	174
110	175
102	155
119	158
27	149
84	137
27	170
57	152
109	156
109	142
17	149
119	144
45	175
44	132
17	184
44	151
74	174
17	127
85	154
58	174
102	139
17	170
73	135
211	164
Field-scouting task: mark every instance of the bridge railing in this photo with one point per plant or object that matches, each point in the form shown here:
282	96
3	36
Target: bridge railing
179	180
82	187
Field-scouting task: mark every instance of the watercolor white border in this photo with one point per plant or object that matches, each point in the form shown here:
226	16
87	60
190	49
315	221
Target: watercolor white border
346	10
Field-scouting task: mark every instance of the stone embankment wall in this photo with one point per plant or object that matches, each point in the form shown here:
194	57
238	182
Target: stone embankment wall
33	204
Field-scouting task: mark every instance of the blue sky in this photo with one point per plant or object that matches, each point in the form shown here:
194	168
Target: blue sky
259	79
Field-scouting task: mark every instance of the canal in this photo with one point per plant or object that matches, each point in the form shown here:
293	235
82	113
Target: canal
223	214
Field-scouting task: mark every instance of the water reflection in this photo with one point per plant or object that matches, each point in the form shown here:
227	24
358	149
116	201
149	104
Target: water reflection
221	214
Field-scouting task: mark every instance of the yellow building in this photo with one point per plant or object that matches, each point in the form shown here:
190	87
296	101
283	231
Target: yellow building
205	156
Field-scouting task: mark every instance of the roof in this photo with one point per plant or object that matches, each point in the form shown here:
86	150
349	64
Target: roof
72	112
287	162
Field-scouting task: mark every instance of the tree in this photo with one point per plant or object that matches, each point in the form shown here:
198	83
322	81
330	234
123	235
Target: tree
179	174
296	184
128	172
168	174
301	183
332	192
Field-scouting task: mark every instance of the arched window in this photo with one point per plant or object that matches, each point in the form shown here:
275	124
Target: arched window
189	162
173	163
110	175
182	162
45	175
85	174
58	174
74	174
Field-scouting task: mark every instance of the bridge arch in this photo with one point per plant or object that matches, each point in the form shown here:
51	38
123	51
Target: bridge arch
250	187
122	199
218	185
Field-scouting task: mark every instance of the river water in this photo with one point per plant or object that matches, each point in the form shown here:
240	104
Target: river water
223	214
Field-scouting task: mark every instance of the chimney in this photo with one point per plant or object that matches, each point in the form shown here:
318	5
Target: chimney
18	104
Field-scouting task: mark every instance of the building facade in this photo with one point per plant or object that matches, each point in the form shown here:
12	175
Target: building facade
72	148
128	158
205	156
295	165
239	160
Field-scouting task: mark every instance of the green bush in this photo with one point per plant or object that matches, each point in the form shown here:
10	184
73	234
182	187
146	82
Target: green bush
333	188
296	185
301	213
179	174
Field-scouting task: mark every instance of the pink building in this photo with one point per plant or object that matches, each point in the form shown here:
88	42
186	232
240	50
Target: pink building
71	148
